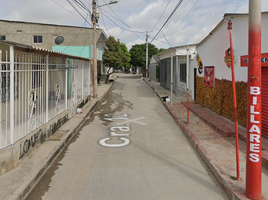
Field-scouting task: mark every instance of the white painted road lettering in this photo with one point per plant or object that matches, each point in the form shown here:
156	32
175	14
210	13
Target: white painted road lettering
133	120
115	129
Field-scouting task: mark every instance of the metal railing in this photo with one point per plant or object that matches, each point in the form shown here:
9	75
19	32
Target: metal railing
35	88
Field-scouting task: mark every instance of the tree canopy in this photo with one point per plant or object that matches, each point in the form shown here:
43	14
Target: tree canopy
112	53
116	54
138	54
125	56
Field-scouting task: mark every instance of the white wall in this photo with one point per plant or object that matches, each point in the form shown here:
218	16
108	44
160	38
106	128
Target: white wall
212	51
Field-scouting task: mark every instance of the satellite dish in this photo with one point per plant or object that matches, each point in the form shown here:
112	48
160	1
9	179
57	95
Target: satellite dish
59	40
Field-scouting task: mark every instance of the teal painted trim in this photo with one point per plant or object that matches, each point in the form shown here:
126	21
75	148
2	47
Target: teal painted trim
86	52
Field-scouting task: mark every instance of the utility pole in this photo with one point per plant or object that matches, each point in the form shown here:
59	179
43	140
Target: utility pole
253	161
95	68
146	54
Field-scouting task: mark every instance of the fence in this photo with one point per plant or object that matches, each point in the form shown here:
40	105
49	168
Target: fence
179	73
36	86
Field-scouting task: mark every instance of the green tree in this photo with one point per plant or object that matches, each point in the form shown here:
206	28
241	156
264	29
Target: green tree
125	56
138	54
112	56
161	50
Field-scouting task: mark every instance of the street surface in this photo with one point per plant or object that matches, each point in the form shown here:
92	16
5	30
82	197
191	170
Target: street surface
130	148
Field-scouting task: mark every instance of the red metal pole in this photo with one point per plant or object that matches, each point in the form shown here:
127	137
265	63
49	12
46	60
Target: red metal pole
234	99
253	164
188	77
187	106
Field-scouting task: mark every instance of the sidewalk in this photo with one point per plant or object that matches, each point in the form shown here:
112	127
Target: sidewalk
213	138
207	131
17	183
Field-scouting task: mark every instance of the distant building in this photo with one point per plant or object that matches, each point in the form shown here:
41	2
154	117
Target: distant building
74	40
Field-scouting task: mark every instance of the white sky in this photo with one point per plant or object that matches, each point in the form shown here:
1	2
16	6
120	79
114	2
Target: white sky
128	20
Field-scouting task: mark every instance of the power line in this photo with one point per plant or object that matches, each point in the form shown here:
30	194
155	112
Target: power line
161	15
82	5
195	4
123	21
190	19
166	39
120	26
79	13
176	7
63	7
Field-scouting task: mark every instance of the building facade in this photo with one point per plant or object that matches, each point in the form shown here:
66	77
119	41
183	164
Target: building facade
210	82
73	40
47	36
177	55
40	90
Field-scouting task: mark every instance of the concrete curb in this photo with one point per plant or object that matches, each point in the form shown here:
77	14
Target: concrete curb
34	177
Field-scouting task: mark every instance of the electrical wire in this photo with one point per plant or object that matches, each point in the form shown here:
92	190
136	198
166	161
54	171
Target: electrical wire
120	26
166	39
79	13
190	20
195	4
82	5
63	7
161	15
176	7
130	28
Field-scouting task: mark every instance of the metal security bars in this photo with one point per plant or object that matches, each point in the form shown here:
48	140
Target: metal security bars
35	87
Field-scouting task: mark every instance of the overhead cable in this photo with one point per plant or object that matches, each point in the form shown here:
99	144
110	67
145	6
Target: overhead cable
121	27
176	7
79	13
161	15
195	4
123	21
63	7
83	6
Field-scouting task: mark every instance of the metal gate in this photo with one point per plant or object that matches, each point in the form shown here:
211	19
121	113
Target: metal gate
264	101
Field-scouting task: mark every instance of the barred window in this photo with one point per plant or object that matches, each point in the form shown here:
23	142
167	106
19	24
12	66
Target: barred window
38	39
2	37
183	74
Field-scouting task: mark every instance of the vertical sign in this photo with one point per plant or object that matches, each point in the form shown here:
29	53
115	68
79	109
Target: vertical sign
253	165
209	77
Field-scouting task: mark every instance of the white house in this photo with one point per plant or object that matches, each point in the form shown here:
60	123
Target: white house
213	51
179	55
210	72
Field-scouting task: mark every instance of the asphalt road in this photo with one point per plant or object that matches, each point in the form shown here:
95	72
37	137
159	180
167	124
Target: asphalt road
129	149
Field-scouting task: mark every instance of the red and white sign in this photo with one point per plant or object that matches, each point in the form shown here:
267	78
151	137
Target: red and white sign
264	60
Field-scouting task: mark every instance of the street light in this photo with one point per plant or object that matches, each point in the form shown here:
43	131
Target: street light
94	19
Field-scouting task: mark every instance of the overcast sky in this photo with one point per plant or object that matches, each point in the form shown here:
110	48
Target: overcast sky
128	20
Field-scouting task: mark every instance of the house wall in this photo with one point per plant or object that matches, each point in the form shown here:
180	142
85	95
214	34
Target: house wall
179	57
212	52
22	32
47	90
